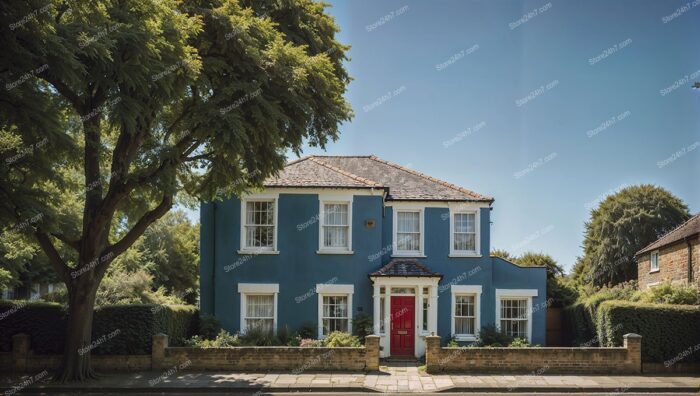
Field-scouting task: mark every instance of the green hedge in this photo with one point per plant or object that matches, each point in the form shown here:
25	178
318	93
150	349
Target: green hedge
666	330
579	324
125	329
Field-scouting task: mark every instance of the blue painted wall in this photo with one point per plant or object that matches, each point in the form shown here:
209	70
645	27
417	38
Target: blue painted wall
298	268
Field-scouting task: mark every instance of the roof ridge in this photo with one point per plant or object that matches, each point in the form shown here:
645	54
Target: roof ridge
668	233
296	161
353	176
423	175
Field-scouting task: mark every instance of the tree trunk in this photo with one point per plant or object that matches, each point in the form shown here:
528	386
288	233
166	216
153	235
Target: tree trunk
81	304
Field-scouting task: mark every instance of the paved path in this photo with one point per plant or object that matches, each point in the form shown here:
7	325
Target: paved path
395	377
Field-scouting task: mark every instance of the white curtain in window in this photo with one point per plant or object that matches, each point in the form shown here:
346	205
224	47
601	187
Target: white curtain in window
465	231
260	224
408	231
335	225
260	312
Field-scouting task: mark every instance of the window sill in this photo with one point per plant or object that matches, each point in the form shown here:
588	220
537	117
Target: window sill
457	254
335	252
465	338
407	255
256	252
654	271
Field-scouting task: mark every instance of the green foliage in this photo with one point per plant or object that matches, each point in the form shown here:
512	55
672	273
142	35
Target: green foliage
307	330
620	226
222	340
362	325
519	343
128	329
667	330
310	343
668	293
341	339
531	259
504	254
580	318
491	336
209	327
44	322
452	343
6	279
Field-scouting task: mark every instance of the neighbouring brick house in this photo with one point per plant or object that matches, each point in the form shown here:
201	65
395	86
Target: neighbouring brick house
674	257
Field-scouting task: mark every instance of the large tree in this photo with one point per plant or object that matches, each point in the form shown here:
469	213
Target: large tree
620	226
147	101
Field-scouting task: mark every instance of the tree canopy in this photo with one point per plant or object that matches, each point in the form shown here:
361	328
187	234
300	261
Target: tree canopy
140	104
623	224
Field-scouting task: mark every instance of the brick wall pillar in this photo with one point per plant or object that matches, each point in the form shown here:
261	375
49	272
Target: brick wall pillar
372	353
20	351
633	344
432	353
160	342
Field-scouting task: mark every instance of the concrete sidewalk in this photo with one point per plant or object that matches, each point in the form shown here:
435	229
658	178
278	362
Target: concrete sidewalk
394	378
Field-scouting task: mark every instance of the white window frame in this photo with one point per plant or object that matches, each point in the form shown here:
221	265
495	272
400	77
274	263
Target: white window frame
245	249
330	290
334	199
477	237
507	294
249	289
395	243
466	290
653	268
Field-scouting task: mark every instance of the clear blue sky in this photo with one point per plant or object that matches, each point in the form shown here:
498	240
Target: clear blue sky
564	105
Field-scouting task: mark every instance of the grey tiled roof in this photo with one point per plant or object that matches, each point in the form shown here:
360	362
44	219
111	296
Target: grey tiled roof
404	267
370	172
685	230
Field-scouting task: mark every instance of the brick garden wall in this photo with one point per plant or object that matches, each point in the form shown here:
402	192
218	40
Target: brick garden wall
538	361
241	359
673	264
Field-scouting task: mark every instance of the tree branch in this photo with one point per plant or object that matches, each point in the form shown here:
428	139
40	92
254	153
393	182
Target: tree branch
140	227
75	244
54	257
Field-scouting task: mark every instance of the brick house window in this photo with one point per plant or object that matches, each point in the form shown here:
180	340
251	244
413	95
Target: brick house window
654	262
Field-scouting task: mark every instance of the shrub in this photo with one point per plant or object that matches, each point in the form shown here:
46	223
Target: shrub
362	325
668	293
310	343
259	337
132	327
452	343
223	340
341	339
209	327
519	343
667	330
490	335
308	330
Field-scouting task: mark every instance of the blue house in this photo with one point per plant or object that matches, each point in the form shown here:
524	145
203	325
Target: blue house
332	237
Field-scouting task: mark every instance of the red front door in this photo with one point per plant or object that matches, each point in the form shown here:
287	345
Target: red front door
402	325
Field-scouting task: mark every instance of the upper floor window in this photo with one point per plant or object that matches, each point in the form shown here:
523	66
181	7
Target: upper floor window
259	224
464	235
408	232
336	226
654	263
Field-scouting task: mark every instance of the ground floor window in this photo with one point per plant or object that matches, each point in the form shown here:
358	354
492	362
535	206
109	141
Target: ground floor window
258	307
514	317
465	315
335	314
466	306
260	312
